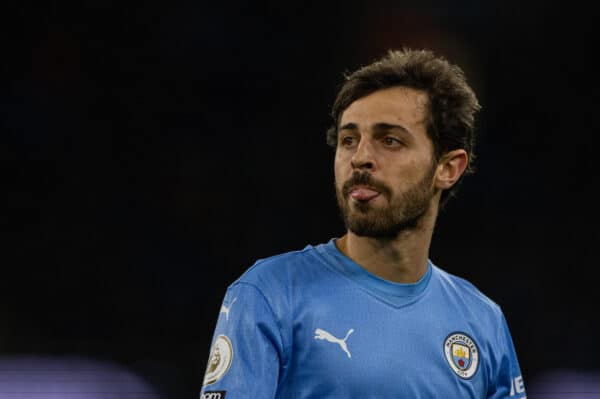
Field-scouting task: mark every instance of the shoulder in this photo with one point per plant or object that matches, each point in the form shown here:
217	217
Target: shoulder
464	293
277	272
275	281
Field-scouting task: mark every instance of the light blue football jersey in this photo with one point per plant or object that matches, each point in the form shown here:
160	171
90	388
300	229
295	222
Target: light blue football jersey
314	324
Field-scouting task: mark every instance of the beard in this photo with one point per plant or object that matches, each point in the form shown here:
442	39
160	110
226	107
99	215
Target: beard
403	212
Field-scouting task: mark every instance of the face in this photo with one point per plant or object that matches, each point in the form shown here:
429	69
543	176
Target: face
384	167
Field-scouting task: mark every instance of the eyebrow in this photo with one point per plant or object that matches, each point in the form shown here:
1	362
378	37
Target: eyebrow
376	127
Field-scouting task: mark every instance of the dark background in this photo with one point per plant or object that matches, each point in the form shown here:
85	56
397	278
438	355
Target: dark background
152	152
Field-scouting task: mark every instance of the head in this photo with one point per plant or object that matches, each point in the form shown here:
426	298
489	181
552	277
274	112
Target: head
424	109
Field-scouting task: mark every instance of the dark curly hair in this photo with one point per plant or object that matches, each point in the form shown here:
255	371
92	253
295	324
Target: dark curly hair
452	103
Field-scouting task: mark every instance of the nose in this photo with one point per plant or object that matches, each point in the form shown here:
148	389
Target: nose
363	157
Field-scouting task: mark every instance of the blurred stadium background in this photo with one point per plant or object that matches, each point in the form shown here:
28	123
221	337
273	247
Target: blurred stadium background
152	151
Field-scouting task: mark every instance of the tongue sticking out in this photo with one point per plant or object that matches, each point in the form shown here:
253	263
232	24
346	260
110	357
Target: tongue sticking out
363	194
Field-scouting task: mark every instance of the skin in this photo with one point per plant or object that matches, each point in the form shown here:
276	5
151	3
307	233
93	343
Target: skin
384	135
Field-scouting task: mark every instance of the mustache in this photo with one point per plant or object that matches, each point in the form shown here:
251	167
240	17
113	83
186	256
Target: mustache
364	179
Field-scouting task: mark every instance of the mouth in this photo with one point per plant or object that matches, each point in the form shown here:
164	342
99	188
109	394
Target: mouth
363	193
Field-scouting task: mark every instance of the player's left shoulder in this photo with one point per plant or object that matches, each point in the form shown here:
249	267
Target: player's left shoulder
466	293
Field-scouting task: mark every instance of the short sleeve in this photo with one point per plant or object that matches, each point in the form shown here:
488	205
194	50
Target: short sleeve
506	378
247	349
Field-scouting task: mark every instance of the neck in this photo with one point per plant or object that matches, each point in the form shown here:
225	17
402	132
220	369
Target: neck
401	259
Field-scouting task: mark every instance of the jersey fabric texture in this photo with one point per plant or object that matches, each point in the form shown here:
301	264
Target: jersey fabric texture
314	324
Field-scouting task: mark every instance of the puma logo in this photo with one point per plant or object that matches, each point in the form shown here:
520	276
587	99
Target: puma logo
226	309
322	334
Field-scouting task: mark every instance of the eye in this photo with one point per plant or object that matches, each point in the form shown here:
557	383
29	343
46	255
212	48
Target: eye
390	141
347	141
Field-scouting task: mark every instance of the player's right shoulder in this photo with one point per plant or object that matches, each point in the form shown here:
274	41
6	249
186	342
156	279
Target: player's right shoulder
275	281
277	270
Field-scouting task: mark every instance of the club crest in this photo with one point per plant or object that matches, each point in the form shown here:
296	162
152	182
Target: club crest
219	360
462	354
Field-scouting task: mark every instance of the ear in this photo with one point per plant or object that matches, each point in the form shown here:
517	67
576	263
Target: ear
450	168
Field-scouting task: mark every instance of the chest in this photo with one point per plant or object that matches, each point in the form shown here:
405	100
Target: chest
363	348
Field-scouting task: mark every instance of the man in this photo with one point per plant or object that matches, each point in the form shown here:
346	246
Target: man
368	315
